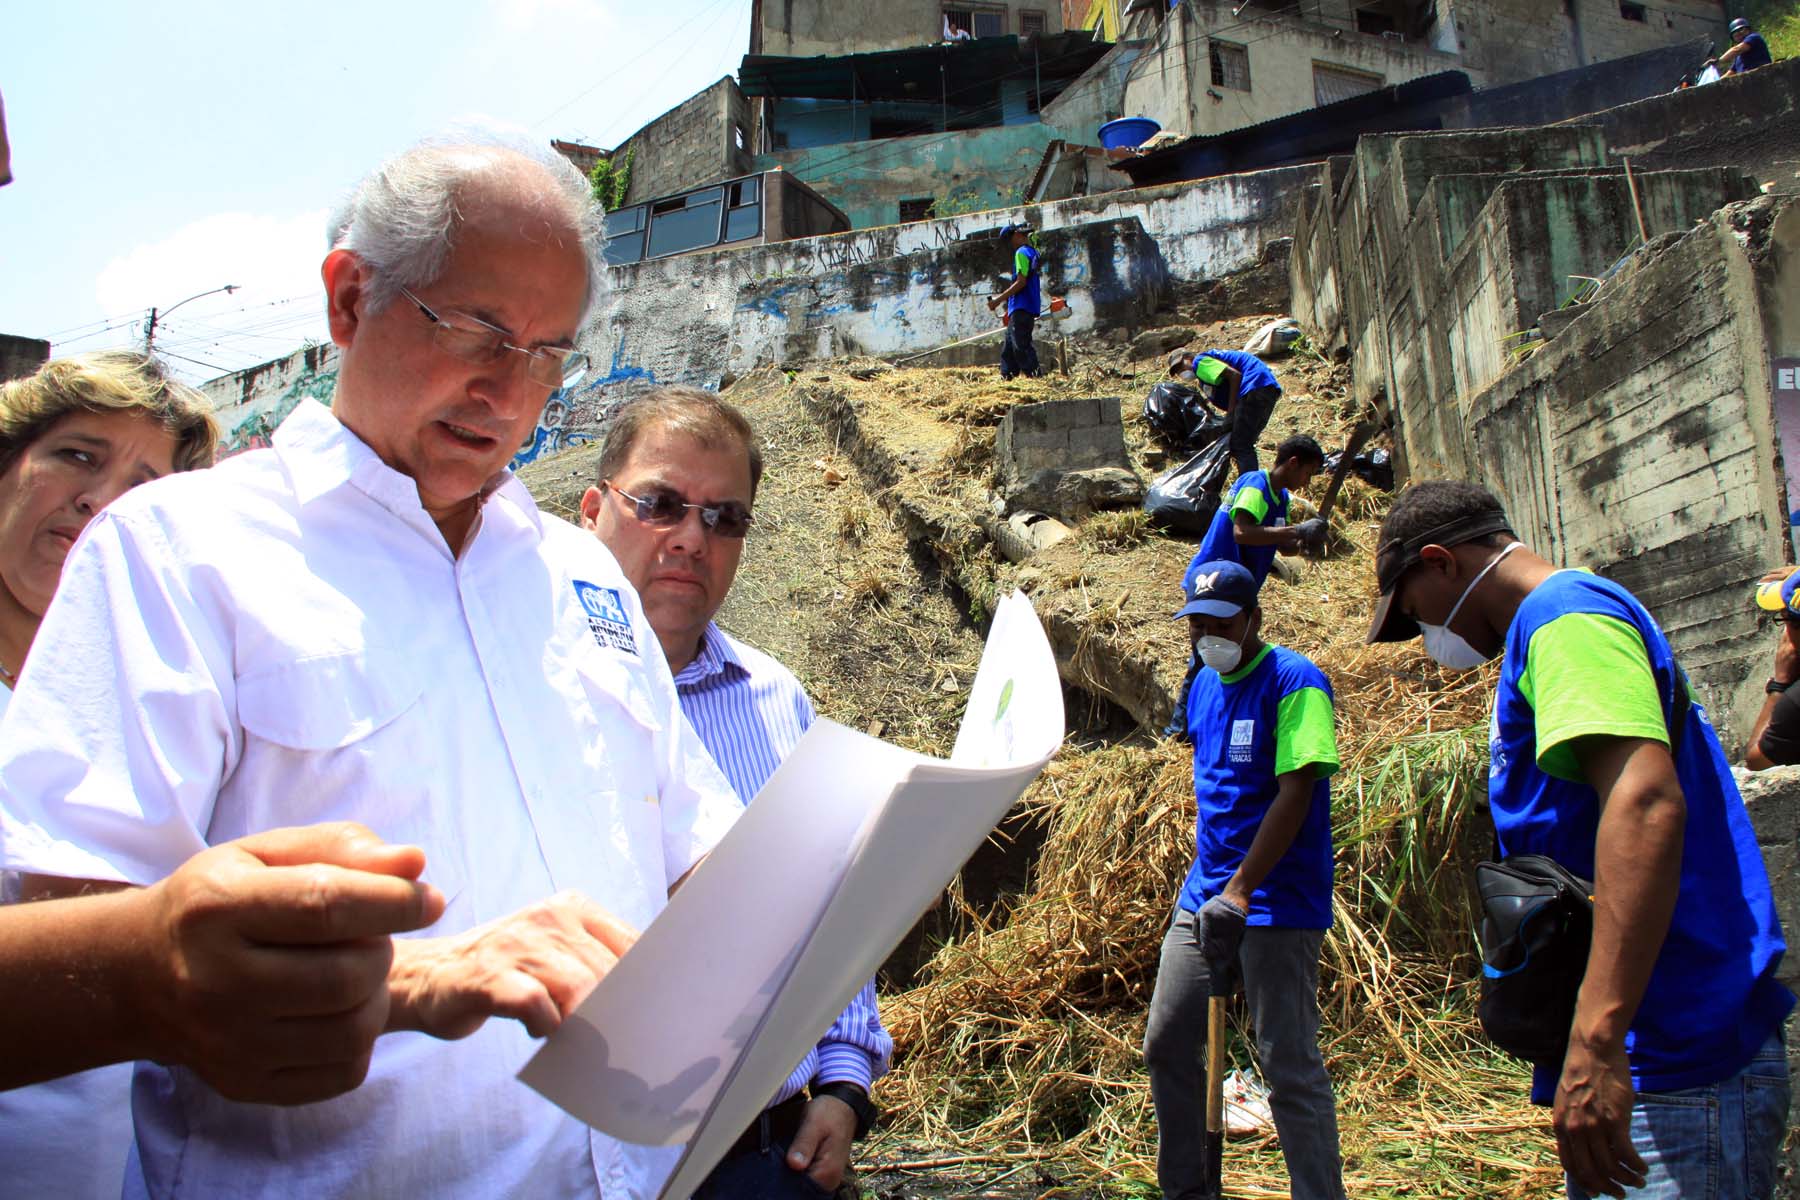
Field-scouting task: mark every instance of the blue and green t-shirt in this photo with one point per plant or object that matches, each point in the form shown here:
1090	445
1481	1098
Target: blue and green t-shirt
1265	719
1209	368
1025	266
1584	658
1257	498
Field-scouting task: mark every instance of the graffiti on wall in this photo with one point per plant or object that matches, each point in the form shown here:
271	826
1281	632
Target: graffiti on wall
253	431
555	432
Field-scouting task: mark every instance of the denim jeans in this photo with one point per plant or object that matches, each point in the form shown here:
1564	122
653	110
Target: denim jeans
759	1175
1718	1142
1281	983
1248	418
1017	354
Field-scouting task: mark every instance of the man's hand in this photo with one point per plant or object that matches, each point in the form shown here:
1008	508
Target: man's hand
1787	652
265	960
993	303
822	1144
1593	1119
1221	928
534	966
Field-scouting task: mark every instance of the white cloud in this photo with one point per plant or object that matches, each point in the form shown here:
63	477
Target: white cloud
273	260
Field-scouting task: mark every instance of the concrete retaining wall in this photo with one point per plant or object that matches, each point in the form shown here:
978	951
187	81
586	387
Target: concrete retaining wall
1642	439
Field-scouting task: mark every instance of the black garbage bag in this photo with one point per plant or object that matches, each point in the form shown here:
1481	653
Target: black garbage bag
1375	468
1184	500
1180	416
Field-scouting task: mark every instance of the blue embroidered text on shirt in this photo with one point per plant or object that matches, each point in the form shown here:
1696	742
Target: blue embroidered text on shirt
606	616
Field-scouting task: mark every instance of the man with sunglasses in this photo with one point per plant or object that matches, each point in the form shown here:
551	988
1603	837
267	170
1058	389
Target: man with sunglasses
1675	1080
371	621
678	474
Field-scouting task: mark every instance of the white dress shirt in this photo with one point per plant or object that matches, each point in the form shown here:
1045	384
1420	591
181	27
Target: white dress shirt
286	638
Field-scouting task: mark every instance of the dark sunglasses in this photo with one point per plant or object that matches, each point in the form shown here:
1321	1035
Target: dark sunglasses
663	507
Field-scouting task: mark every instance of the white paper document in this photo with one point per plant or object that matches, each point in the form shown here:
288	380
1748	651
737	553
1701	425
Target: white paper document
695	1030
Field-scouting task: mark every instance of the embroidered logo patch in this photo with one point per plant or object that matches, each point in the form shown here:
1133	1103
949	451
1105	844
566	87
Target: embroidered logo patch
606	616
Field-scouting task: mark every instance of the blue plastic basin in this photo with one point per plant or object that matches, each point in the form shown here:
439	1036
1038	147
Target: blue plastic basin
1127	132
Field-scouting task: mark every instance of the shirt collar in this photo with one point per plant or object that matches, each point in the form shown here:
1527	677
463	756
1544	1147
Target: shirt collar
320	453
717	657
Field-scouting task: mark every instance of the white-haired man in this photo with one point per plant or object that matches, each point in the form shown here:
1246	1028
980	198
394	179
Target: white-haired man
372	621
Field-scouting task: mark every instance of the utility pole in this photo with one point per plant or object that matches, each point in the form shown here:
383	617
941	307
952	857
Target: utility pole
156	314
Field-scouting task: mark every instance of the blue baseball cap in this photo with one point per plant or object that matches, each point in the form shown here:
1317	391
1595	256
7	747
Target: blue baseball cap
1221	588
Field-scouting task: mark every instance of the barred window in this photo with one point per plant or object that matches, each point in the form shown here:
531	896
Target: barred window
1230	66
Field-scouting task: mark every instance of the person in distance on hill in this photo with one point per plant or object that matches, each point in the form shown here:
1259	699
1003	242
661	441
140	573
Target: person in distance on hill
1024	303
1675	1081
1257	901
678	475
1748	50
1243	385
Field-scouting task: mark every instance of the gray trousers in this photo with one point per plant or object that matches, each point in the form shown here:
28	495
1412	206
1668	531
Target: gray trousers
1281	982
1248	418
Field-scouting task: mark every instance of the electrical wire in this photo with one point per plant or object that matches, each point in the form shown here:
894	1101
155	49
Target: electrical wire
606	79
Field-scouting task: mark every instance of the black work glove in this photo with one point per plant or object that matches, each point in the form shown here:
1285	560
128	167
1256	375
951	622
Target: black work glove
1220	928
1312	534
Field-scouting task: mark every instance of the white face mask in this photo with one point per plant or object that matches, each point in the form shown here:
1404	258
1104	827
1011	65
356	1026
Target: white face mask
1450	649
1221	654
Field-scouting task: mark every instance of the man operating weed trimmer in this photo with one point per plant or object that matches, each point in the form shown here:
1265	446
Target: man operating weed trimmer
1257	901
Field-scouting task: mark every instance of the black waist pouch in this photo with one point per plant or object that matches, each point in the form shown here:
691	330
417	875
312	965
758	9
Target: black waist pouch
1537	922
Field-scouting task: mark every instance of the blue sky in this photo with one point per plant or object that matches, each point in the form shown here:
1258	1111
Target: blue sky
164	150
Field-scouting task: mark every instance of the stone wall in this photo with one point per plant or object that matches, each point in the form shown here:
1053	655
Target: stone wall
250	404
694	143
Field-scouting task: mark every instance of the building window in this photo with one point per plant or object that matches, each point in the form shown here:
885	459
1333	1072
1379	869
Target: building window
1375	20
1031	22
625	235
1230	66
1331	84
916	210
1633	12
960	23
743	211
685	222
737	135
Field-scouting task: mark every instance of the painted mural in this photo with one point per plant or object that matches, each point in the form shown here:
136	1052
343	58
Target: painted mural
253	430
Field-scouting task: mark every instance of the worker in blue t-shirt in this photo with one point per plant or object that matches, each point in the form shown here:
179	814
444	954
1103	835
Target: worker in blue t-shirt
1243	385
1675	1079
1257	901
1251	526
1748	50
1023	305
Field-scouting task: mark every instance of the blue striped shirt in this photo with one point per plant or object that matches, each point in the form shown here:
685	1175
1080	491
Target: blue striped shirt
750	712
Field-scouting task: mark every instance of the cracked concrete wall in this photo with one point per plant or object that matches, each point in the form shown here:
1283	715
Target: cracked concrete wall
1642	441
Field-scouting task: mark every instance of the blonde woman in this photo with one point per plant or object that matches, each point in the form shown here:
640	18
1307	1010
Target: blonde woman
73	437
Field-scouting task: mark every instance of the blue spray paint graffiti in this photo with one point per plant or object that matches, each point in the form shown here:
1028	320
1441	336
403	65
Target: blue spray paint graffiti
552	434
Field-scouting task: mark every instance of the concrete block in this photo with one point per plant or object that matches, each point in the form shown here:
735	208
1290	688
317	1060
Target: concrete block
1097	446
1079	493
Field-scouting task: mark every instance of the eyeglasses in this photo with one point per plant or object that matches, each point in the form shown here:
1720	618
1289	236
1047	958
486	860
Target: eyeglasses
474	340
664	507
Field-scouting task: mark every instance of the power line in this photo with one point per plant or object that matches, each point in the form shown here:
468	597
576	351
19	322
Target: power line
606	79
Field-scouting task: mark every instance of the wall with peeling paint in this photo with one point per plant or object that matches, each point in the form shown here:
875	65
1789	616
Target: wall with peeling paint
703	318
250	404
968	169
